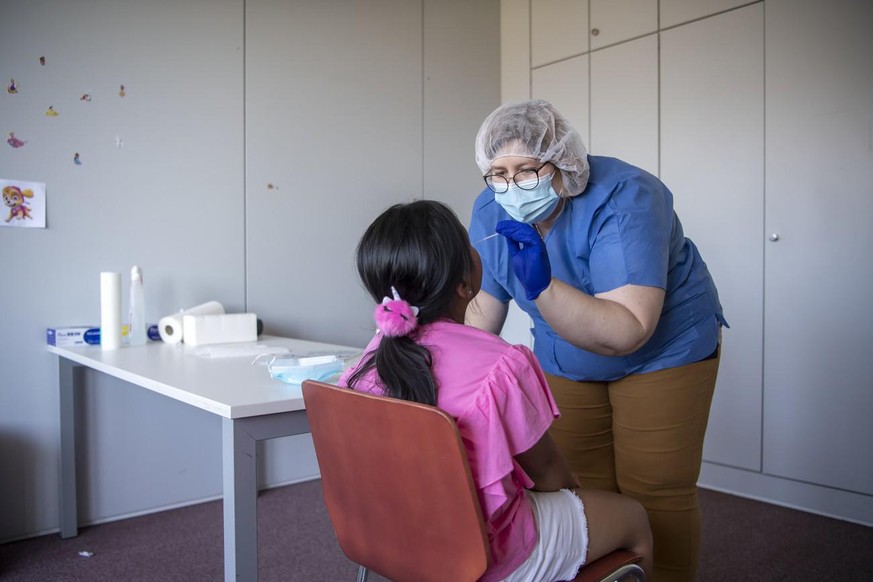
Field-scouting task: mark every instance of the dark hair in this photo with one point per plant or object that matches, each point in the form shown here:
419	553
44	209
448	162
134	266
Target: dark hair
423	251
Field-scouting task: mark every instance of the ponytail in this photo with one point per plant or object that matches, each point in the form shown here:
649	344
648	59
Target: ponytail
403	368
422	251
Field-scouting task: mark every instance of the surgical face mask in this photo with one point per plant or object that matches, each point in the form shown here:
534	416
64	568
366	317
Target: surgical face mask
532	205
295	370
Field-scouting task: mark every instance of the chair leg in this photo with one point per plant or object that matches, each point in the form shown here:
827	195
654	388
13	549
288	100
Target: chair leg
362	574
617	566
629	573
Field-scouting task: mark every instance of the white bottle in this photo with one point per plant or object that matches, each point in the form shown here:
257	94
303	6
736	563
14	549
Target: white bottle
138	333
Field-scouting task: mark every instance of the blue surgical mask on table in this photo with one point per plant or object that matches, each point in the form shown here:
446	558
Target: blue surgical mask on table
529	206
294	370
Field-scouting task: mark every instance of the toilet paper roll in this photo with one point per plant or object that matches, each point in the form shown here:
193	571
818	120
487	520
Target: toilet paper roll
110	311
171	328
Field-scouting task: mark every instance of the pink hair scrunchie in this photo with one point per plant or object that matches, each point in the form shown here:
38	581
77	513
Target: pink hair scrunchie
395	317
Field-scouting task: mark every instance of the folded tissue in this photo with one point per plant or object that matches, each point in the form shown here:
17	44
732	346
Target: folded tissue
245	350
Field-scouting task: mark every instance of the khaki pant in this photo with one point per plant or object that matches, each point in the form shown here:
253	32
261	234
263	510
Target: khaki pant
642	436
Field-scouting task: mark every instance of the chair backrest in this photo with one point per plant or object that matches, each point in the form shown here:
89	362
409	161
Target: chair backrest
397	485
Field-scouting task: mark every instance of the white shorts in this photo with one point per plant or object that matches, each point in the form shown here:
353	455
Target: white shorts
562	538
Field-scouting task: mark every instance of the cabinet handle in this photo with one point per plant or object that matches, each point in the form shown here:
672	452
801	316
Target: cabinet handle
774	236
595	31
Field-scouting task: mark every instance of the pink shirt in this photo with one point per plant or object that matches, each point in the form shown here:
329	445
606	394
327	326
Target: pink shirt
499	397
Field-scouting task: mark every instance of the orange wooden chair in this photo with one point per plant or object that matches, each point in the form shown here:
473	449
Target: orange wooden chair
399	492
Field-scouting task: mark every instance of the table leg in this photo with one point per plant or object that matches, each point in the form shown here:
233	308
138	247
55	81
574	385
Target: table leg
240	502
239	440
69	524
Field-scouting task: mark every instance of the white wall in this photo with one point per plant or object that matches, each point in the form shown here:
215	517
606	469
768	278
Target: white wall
170	200
222	98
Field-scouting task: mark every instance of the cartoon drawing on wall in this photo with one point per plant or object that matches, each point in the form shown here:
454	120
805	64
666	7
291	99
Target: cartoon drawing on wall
14	141
16	199
42	61
24	203
50	112
85	97
12	89
121	92
77	160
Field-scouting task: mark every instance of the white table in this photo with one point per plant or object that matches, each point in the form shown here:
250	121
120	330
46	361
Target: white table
252	407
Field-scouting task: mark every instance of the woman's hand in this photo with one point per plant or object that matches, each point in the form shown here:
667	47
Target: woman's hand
530	261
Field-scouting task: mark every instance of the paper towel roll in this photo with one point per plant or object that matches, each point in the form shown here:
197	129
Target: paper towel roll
110	311
171	327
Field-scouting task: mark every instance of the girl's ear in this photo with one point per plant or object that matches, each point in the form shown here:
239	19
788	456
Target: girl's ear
465	290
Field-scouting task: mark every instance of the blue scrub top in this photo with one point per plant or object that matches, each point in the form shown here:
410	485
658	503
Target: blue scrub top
621	230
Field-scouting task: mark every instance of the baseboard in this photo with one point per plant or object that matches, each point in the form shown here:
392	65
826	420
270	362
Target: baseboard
835	503
149	511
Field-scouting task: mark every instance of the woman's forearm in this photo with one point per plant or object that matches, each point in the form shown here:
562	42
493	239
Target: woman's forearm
615	323
486	312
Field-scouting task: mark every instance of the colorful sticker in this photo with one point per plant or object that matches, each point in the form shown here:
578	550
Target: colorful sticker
50	112
24	203
121	92
77	160
12	89
14	141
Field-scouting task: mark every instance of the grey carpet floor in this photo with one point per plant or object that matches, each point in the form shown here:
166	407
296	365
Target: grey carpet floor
742	540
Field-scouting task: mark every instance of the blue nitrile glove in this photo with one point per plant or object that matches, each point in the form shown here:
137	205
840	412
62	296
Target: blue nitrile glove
530	261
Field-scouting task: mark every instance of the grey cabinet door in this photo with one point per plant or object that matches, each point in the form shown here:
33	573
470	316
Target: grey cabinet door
818	392
712	143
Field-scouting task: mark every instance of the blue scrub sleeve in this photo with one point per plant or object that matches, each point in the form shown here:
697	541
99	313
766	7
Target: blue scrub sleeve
632	238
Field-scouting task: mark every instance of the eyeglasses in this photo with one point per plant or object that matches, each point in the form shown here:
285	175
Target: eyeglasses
524	179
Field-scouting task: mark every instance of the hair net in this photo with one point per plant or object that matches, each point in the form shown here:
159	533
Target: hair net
535	129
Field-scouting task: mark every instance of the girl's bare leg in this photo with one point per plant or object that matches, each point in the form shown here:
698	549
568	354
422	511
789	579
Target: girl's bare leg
616	522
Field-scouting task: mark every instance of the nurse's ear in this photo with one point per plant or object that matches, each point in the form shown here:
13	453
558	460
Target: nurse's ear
558	183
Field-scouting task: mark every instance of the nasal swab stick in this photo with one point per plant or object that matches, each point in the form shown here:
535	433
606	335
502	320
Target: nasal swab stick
486	238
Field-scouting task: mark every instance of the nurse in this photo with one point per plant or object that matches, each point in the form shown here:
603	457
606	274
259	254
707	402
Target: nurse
626	317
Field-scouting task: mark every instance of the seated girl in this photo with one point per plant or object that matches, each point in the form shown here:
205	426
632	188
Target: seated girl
540	525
